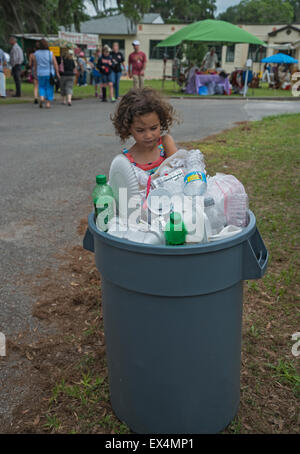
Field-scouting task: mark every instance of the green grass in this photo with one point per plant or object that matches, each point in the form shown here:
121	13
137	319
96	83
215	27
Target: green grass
285	372
170	90
265	157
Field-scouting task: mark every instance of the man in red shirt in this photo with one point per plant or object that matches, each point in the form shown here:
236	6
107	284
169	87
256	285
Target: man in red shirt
137	65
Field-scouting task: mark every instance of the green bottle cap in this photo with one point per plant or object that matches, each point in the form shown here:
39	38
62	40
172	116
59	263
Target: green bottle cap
175	218
175	231
101	179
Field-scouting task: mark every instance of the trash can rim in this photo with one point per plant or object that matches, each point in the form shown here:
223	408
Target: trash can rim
186	249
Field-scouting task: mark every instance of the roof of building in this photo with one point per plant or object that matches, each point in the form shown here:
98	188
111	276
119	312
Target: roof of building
286	27
115	25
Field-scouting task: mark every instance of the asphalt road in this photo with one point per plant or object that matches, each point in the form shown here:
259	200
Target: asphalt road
48	161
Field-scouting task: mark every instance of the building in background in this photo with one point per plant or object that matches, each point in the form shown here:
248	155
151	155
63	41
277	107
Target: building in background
152	29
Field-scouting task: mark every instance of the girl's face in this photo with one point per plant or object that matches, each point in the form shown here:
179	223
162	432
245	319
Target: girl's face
145	129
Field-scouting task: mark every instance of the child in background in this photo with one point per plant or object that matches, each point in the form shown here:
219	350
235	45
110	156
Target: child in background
95	73
105	67
147	117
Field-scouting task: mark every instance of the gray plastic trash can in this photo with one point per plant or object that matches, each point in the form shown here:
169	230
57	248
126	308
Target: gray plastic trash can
172	322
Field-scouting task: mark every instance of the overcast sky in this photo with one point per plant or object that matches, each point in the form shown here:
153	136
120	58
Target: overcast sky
222	5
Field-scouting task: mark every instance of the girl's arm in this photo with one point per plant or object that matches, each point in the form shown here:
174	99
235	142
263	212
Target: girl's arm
169	145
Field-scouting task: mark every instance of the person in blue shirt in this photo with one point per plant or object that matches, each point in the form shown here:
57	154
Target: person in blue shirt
95	72
105	65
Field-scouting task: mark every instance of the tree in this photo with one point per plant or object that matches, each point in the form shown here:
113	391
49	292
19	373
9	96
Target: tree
134	10
177	11
34	16
296	8
260	12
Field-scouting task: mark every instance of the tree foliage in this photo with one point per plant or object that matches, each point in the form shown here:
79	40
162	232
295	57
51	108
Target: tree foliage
261	12
296	9
178	11
134	9
35	16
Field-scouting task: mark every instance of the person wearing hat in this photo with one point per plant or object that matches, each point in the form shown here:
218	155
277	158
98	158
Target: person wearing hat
67	68
137	64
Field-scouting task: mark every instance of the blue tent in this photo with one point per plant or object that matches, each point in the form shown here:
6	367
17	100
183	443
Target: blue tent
279	58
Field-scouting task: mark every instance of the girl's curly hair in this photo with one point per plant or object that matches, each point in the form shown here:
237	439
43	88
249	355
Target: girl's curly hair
141	101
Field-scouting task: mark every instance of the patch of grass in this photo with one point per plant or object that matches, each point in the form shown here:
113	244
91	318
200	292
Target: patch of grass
264	156
52	422
169	90
285	373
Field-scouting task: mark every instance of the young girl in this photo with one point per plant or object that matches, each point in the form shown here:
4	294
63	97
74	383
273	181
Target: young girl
147	117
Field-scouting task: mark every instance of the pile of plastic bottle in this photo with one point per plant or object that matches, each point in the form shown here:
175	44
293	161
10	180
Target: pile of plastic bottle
179	204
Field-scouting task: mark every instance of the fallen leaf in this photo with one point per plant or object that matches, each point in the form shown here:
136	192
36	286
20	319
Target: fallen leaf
36	421
28	356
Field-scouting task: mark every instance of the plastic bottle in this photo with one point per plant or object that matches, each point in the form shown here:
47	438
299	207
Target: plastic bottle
215	217
103	200
175	231
195	178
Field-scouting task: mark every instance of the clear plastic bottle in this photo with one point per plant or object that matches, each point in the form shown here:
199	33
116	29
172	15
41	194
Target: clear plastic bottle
216	219
195	177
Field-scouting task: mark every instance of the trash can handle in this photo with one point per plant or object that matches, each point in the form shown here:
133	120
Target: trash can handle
88	241
255	257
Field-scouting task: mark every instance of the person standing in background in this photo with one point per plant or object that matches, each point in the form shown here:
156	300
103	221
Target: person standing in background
33	75
105	67
16	60
210	59
82	68
136	65
45	65
2	75
118	63
266	74
67	67
95	73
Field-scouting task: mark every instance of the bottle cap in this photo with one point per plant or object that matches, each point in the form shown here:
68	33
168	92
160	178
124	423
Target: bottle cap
101	179
175	231
175	217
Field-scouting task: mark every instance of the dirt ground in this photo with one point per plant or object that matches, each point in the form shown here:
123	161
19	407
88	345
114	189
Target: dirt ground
70	299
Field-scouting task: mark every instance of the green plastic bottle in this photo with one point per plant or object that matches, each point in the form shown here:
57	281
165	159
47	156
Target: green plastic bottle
175	231
103	199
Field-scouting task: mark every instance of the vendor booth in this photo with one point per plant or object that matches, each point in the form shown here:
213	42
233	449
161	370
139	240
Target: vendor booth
209	31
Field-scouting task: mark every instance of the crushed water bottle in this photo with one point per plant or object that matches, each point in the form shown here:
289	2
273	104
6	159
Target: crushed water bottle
195	177
216	218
